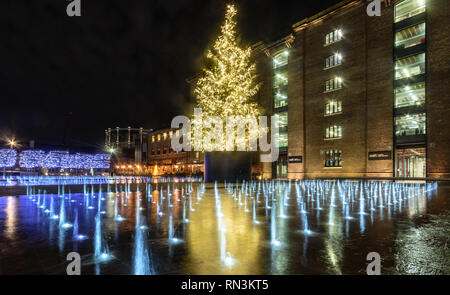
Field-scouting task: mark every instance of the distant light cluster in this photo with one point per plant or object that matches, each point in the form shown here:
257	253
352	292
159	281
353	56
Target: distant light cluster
8	158
32	159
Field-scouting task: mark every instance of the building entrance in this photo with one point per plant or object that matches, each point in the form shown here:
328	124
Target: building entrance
411	162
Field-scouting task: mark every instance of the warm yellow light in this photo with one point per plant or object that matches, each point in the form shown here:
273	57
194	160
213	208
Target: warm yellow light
229	86
12	143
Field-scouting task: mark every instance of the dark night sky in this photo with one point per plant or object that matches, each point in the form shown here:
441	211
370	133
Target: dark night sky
122	63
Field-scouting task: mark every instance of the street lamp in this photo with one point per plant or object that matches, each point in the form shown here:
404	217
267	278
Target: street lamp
12	143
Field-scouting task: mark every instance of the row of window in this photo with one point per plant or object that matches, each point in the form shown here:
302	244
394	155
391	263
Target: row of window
409	8
162	152
410	95
333	107
280	88
164	135
410	66
411	124
333	158
333	132
333	60
333	37
333	84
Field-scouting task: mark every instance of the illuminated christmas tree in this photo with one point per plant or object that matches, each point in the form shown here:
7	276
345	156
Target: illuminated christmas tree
228	86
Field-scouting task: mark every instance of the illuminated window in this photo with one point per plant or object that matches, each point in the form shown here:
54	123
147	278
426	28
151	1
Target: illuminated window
197	155
281	59
280	80
283	139
333	107
410	66
410	95
333	132
333	84
159	137
165	135
411	36
333	60
407	125
282	120
153	138
171	134
409	8
333	158
333	37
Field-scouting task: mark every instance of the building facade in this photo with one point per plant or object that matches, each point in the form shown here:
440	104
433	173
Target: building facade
163	160
361	96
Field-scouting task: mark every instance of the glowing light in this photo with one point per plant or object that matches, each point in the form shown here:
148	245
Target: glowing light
8	158
81	237
32	159
228	87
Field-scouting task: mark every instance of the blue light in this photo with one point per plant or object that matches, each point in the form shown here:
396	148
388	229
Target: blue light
32	159
8	158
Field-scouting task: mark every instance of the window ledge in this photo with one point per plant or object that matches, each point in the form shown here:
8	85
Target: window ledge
335	138
332	168
332	67
333	114
333	90
331	43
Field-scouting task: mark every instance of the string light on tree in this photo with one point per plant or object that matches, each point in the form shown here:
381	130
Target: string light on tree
228	86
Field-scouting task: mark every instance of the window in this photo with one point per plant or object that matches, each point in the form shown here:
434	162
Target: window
280	80
159	137
333	84
153	152
165	151
410	37
280	99
283	140
333	60
409	8
333	158
410	95
170	134
333	107
159	151
282	120
407	125
333	132
333	37
281	59
410	66
153	138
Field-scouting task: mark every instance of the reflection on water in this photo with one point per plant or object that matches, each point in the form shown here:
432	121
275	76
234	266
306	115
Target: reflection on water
308	227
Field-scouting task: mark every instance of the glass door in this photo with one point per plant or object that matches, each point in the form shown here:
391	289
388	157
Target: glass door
411	162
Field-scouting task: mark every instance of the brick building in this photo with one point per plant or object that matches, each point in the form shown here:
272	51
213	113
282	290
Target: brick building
163	160
361	96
